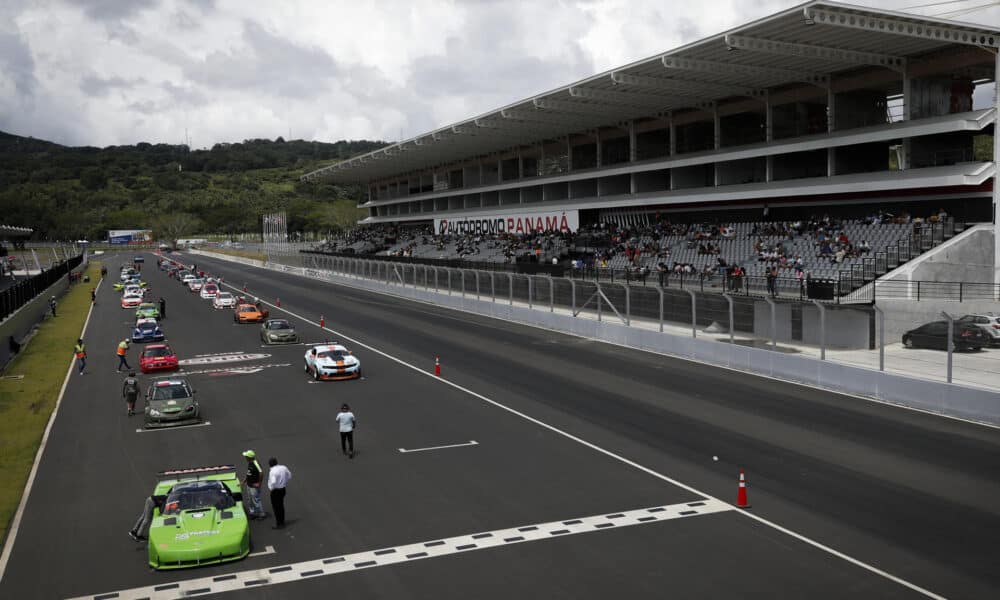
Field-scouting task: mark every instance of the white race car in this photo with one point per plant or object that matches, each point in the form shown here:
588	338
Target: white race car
209	291
224	300
131	300
332	361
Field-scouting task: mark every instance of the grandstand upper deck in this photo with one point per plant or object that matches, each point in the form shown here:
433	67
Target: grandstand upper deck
807	71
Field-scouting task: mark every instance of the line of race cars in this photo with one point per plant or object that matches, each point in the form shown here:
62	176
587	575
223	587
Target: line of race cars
198	517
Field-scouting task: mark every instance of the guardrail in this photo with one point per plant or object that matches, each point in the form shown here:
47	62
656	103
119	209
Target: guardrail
955	291
26	290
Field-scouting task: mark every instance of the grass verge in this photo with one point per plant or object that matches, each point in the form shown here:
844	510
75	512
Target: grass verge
26	404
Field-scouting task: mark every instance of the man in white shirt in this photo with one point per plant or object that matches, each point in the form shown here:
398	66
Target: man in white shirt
278	477
347	424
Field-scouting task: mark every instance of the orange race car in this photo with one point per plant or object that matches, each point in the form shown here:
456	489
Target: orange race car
248	313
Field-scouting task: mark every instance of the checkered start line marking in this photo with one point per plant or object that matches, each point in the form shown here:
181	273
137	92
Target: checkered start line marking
410	552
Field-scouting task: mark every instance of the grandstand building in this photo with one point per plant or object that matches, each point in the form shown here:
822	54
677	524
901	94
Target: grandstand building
822	107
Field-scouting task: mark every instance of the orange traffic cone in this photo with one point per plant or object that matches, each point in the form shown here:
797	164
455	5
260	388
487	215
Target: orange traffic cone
741	496
437	366
278	302
322	321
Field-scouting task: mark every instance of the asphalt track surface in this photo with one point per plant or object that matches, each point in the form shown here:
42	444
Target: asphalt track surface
908	493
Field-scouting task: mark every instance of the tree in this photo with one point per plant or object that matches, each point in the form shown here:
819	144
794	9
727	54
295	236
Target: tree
174	226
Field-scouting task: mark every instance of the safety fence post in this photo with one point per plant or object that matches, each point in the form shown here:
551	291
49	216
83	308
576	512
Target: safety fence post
660	290
529	290
552	294
694	312
951	340
628	305
731	325
881	337
774	323
822	329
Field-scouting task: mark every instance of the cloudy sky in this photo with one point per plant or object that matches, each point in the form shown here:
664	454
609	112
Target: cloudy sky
103	72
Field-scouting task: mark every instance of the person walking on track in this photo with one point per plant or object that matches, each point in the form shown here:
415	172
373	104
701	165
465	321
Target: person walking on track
163	308
121	351
278	477
347	424
130	391
80	351
252	482
93	295
52	305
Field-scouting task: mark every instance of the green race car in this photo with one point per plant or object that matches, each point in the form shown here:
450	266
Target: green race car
199	519
147	310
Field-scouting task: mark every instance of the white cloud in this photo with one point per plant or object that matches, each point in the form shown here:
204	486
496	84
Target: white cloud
121	71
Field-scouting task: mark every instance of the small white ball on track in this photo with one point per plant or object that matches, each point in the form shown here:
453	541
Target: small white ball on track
715	458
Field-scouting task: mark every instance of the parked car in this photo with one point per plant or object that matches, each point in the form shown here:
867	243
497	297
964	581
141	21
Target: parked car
935	335
989	323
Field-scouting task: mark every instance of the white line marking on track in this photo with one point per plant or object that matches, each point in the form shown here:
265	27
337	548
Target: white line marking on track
174	427
265	551
622	459
16	522
469	443
416	551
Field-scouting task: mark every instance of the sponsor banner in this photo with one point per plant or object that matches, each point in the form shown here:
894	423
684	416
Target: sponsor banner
129	236
516	223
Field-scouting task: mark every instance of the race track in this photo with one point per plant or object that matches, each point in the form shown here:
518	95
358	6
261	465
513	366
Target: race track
578	446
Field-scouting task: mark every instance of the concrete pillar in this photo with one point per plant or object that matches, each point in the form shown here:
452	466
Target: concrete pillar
597	140
633	152
717	125
569	154
673	136
904	155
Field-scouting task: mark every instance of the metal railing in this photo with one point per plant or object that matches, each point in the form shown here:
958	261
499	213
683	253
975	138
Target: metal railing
955	291
26	290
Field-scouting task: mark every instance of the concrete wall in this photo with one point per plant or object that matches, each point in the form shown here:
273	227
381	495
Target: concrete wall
969	260
782	321
845	328
938	397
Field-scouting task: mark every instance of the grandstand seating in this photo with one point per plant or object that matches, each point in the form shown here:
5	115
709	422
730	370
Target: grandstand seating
820	249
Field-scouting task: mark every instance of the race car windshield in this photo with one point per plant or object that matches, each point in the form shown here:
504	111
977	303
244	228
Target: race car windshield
248	309
225	296
332	354
199	494
171	392
146	326
278	325
156	352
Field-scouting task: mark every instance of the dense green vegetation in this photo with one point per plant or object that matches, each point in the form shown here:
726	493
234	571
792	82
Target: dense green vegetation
74	193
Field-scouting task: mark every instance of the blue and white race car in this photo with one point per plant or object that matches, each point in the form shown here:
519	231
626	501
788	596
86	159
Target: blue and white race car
332	361
147	330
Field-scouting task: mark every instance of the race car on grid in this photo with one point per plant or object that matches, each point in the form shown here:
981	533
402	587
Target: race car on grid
332	362
202	520
147	330
147	310
170	402
196	284
209	291
278	331
157	357
131	299
248	313
224	300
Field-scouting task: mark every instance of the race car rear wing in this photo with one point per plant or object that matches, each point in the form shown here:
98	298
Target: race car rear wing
195	472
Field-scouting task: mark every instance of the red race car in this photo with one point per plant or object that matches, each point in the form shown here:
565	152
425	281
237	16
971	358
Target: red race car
157	357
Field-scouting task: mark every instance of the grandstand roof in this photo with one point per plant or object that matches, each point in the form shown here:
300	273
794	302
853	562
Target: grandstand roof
802	45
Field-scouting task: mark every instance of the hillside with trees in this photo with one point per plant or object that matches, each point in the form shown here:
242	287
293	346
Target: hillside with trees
81	192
